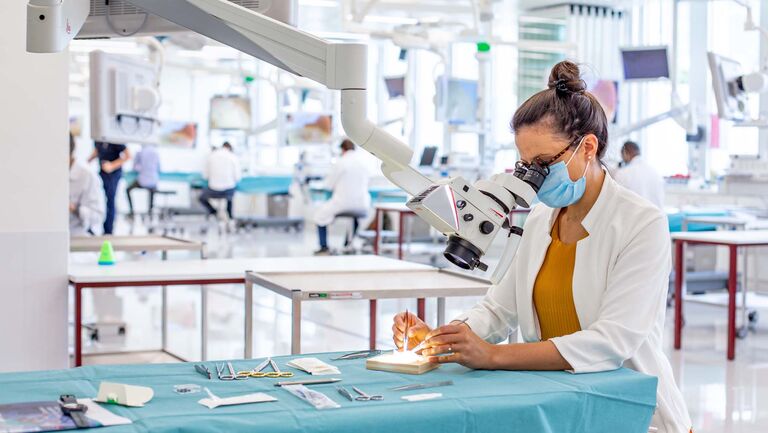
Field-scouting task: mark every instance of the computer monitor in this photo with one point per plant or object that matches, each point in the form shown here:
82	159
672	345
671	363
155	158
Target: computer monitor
395	86
428	156
732	100
645	63
230	112
456	101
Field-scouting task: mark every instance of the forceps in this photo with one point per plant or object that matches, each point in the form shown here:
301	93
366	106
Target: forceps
258	373
365	397
232	375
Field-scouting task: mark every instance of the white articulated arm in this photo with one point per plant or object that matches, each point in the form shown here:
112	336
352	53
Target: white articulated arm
470	215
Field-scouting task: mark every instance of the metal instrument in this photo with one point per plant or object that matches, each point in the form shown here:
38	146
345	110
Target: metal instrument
359	355
230	375
365	397
308	382
203	369
422	386
343	391
258	373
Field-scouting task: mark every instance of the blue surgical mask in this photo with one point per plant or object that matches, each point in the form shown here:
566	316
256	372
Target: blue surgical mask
558	190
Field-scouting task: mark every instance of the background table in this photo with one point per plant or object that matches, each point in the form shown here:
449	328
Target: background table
480	401
378	222
731	239
329	285
80	244
216	271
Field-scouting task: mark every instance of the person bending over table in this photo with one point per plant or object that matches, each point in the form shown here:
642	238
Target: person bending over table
588	286
86	205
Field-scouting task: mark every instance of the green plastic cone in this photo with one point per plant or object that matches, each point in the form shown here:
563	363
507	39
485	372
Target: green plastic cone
107	256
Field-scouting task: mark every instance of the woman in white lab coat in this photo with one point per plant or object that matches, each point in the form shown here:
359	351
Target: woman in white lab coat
588	286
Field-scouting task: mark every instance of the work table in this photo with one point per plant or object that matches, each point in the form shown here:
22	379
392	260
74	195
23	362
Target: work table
479	401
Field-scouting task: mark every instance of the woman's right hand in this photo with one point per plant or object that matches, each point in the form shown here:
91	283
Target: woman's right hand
417	330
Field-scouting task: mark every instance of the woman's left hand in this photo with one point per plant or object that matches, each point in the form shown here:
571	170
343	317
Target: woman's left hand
458	343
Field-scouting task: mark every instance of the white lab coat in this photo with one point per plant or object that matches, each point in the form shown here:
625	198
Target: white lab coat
85	193
222	170
641	178
620	283
348	180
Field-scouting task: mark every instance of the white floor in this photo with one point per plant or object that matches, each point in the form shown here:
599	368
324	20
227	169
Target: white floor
723	397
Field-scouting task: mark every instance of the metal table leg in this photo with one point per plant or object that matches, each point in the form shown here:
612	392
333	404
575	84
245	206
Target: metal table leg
296	323
377	238
204	323
679	278
164	317
164	310
743	330
732	268
440	311
372	324
78	324
248	352
400	233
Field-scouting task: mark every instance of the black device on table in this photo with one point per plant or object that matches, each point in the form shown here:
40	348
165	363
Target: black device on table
71	408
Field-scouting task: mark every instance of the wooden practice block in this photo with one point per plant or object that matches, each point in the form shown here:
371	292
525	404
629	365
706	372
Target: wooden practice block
400	363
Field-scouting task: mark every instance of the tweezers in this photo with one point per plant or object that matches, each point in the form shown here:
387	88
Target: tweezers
359	354
422	386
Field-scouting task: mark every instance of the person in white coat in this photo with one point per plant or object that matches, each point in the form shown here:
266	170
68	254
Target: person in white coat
86	203
639	176
587	288
348	181
222	171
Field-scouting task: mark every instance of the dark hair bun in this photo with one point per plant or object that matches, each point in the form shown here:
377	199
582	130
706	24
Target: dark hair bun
565	78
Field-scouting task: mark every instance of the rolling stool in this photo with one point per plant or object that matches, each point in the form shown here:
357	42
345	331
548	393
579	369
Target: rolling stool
351	231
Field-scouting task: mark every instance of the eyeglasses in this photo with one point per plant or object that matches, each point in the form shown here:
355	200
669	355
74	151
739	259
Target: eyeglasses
546	164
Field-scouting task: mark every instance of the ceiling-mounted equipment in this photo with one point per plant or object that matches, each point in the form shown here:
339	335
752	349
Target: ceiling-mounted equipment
110	18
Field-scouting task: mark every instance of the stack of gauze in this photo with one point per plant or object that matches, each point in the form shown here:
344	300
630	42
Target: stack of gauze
313	366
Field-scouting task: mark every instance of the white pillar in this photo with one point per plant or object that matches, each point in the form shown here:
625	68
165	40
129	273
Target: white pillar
764	96
34	239
699	89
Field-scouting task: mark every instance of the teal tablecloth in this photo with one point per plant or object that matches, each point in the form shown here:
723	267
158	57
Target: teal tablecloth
480	401
247	185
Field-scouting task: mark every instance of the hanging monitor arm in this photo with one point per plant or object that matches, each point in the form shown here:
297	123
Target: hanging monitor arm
470	215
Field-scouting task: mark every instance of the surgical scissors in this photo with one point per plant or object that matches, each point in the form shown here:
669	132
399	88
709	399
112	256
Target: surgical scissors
258	373
232	375
365	397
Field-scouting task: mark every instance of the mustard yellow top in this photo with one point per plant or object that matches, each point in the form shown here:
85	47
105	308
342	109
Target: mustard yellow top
553	290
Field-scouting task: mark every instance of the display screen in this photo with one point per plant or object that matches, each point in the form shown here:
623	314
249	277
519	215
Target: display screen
457	101
395	86
645	63
428	156
178	134
230	112
309	128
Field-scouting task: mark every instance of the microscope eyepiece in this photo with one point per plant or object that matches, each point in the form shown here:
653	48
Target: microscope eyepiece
533	174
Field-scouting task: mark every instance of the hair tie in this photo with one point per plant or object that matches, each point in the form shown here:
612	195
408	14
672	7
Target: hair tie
561	86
